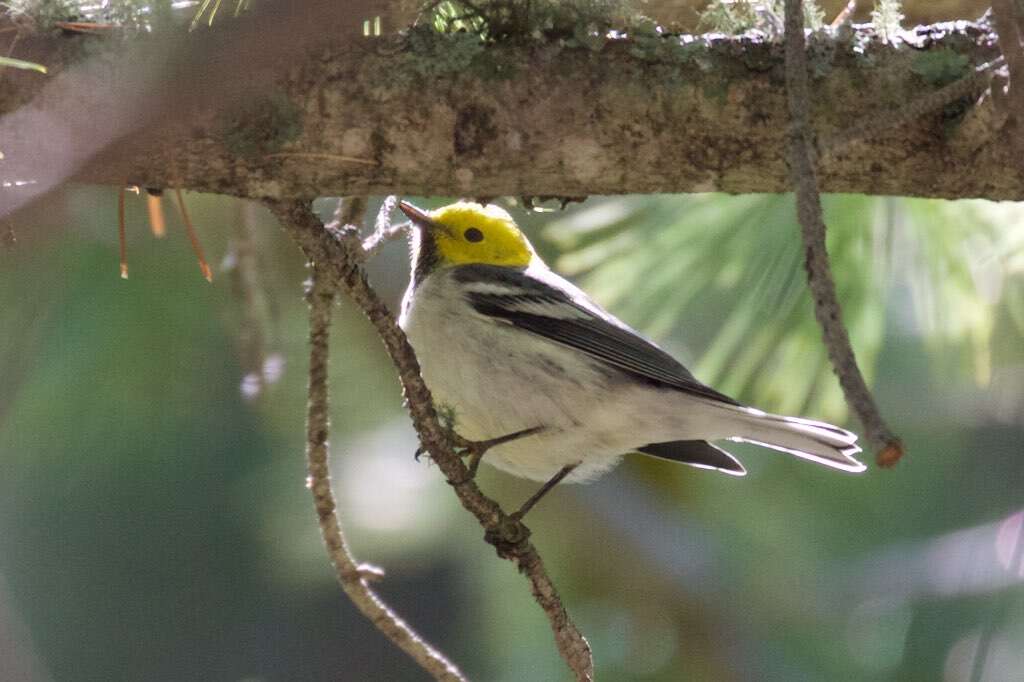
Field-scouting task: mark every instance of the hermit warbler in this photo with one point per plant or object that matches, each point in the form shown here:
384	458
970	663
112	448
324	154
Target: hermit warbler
510	346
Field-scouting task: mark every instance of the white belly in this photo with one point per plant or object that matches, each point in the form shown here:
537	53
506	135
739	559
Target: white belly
498	379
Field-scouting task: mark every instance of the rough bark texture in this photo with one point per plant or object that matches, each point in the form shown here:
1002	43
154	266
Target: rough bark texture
1004	13
338	256
445	115
353	578
827	309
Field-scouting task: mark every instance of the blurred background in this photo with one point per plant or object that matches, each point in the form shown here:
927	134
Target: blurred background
154	522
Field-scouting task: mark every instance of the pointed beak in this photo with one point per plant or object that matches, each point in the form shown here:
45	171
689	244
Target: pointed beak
418	216
421	220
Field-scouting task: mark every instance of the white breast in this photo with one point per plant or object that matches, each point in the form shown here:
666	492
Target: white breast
499	379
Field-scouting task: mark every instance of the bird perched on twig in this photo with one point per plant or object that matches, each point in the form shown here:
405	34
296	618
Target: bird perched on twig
512	348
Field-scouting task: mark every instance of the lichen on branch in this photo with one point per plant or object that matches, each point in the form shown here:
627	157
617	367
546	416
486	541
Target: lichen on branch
431	113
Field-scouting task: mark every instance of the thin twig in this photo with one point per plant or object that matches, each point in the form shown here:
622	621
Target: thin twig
373	243
339	255
387	206
383	230
877	123
352	576
812	224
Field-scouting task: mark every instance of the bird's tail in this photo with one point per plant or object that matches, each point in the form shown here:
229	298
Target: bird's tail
816	441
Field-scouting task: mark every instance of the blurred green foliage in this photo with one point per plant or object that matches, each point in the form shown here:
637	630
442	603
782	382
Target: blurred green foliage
154	523
636	254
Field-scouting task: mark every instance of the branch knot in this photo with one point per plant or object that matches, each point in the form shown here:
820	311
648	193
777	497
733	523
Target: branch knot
508	535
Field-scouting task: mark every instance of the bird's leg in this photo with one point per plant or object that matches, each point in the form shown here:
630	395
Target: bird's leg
510	531
477	449
544	490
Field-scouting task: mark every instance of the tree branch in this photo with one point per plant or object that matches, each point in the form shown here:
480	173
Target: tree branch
812	228
971	85
435	114
336	253
352	576
1004	14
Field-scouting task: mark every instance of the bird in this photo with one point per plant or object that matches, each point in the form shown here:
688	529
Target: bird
522	358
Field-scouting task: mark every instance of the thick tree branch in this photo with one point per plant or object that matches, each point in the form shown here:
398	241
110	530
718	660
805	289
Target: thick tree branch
914	110
336	253
447	115
353	577
1007	24
812	223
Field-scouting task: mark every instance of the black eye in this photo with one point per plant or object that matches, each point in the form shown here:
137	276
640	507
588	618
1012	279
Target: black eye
473	235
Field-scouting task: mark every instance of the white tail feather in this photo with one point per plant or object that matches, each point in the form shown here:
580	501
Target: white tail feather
816	441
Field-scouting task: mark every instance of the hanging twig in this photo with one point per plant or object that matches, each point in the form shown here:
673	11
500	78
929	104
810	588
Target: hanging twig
812	223
338	254
352	576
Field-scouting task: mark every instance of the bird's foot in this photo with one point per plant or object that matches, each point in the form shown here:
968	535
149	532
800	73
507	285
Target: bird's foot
460	446
509	532
475	450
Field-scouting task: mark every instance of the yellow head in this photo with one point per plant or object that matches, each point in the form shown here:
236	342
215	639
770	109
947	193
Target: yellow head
465	233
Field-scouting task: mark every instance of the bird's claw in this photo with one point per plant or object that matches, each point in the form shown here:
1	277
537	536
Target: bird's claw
476	449
463	446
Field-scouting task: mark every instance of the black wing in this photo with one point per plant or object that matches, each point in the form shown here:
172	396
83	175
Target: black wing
544	304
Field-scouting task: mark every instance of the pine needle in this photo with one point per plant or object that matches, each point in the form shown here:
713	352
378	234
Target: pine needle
21	64
121	233
326	157
196	247
156	216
